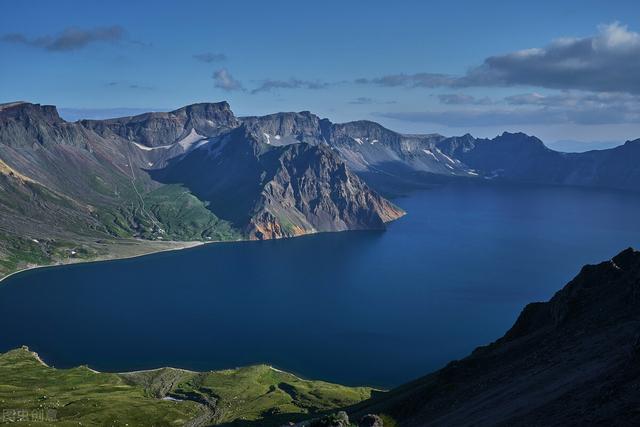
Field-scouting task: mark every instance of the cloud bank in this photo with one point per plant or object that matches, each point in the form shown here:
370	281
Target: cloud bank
70	39
584	108
608	61
293	83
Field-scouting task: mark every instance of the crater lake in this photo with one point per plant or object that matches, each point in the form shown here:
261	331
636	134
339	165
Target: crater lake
358	308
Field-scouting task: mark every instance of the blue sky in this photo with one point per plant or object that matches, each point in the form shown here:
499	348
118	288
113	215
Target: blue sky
560	70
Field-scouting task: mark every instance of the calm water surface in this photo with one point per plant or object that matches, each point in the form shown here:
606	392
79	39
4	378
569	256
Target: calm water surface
375	308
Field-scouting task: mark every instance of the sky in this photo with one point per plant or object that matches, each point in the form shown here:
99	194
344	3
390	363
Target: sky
565	71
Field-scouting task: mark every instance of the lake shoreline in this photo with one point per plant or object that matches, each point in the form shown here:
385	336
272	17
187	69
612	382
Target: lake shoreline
179	245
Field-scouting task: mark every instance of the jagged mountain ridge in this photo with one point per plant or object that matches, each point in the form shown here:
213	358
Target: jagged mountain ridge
573	360
123	172
366	147
382	155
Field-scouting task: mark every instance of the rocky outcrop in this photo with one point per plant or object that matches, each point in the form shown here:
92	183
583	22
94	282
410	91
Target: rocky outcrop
570	361
289	128
309	189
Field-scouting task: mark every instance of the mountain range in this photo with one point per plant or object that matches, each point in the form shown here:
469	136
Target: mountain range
78	190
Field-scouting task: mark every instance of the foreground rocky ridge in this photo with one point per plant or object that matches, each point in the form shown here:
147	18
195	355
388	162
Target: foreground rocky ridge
574	360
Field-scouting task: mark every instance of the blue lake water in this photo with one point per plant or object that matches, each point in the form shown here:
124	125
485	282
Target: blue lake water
375	308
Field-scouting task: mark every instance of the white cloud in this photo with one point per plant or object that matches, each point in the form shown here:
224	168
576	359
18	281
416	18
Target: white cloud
225	81
608	61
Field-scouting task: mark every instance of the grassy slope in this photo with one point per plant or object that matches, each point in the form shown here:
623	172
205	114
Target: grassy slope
46	229
256	394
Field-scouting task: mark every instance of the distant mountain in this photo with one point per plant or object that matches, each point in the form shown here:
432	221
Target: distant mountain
573	360
196	173
522	158
367	147
384	157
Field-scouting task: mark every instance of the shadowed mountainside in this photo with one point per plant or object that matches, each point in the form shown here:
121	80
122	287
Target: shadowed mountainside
574	360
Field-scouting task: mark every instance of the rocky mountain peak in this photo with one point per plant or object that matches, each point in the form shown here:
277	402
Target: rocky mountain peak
27	111
218	112
287	128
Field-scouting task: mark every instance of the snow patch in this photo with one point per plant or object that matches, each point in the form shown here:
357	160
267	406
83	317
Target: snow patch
428	152
145	148
449	159
358	140
190	140
277	137
266	135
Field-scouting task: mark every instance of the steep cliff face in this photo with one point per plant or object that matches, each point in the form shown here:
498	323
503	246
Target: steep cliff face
278	191
573	360
161	129
288	128
309	189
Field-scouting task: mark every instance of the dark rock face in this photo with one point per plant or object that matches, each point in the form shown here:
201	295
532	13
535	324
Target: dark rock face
570	361
288	128
340	419
371	420
310	189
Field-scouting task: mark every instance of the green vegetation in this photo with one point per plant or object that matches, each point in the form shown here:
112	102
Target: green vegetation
17	253
185	217
38	394
256	395
170	212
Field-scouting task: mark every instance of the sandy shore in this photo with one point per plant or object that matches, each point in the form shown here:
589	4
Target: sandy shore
140	248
